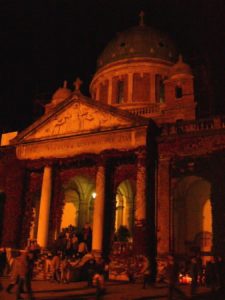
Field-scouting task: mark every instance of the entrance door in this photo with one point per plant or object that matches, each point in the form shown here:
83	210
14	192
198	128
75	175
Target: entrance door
2	207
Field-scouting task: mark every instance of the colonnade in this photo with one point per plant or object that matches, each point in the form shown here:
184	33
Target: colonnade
130	84
99	204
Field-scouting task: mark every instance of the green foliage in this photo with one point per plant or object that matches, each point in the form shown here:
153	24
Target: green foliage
122	234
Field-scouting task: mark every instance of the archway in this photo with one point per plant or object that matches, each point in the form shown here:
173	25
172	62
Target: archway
124	212
192	216
79	194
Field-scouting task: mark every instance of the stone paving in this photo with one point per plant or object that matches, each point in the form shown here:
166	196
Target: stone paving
45	290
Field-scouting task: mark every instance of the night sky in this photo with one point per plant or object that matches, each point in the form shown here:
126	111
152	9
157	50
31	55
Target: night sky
46	42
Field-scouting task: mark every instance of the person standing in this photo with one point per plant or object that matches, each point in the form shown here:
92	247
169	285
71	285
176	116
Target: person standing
87	236
144	271
55	267
65	269
172	276
194	275
220	267
14	273
99	280
22	275
212	274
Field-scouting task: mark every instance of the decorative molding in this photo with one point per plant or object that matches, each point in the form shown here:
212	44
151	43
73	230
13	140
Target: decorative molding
77	145
191	146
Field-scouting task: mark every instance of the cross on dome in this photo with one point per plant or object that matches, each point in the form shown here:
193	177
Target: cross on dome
180	58
65	84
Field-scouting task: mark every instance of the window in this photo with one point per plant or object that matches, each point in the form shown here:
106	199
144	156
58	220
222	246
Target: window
120	92
178	92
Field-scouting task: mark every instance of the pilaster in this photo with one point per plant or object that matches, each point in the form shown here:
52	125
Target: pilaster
163	208
140	226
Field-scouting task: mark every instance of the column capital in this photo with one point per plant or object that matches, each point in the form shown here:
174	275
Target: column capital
140	152
101	160
163	158
141	155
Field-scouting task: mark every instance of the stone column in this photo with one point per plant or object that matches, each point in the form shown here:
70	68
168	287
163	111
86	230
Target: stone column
152	88
140	226
163	208
44	212
99	208
130	87
98	92
110	91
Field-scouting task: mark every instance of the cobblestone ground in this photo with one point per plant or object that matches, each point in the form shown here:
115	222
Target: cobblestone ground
44	290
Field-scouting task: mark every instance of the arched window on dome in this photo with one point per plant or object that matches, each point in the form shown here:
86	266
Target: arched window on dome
159	89
178	92
120	91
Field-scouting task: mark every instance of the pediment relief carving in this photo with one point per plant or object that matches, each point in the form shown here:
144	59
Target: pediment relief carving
78	118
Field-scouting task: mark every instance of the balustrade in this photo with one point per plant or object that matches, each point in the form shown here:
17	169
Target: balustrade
193	126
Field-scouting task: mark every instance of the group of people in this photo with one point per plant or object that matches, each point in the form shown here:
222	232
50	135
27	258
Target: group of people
138	269
71	242
70	259
212	274
62	269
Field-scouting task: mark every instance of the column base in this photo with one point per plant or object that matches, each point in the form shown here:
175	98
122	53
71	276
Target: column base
97	253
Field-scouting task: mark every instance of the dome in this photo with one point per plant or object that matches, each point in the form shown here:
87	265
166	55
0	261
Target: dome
138	41
61	93
180	68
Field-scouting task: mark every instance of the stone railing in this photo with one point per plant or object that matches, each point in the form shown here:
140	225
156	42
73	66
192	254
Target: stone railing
122	248
183	127
144	111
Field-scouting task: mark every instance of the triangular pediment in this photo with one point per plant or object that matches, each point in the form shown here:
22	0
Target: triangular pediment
76	116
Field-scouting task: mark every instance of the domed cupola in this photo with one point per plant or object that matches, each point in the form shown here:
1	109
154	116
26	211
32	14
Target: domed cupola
60	95
132	71
180	69
139	41
132	68
179	92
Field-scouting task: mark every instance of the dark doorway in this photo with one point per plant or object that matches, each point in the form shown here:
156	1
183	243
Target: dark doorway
2	205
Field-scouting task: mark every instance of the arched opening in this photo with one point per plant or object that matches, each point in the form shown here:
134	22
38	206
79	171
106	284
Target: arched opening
178	92
79	195
192	216
124	212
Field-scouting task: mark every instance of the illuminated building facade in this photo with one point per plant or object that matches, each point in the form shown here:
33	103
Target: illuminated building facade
132	154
